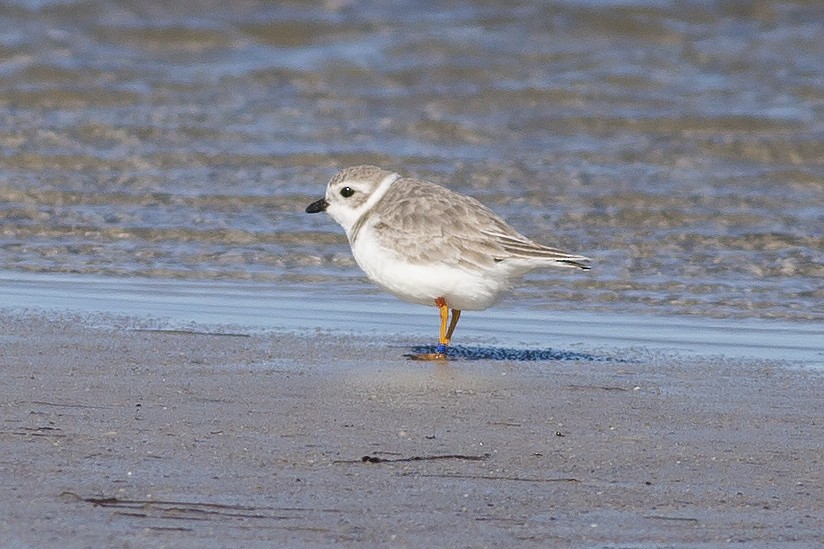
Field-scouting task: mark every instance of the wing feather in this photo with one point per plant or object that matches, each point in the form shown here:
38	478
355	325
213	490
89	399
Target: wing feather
428	223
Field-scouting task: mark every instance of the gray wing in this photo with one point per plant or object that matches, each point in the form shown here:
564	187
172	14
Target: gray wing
431	224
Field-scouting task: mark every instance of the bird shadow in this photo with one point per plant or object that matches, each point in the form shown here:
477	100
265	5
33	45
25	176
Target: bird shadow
461	352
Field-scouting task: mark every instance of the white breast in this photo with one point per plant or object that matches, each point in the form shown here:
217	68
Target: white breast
418	283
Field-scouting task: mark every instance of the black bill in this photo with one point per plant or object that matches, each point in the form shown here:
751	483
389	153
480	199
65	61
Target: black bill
317	206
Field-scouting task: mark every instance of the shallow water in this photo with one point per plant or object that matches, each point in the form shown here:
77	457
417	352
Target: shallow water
679	144
508	332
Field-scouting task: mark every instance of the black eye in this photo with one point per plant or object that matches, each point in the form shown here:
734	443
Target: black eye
346	192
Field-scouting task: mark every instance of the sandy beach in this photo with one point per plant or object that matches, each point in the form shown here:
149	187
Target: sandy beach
114	435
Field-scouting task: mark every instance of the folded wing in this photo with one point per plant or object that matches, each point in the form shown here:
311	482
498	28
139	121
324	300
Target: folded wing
429	224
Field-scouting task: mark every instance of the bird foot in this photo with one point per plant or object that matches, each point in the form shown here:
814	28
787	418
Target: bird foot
439	354
427	356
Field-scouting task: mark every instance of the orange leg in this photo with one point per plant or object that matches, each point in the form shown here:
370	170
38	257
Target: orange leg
456	314
443	308
445	334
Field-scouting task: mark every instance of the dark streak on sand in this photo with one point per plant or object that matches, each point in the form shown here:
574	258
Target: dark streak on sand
376	459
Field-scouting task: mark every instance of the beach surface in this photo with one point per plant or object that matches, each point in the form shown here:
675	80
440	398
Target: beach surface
117	432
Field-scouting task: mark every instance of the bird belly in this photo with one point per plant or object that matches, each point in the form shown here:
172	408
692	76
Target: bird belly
463	289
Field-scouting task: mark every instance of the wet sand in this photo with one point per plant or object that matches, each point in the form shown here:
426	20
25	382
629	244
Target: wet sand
115	436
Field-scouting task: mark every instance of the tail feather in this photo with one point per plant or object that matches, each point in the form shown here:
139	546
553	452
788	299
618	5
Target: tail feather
582	266
527	249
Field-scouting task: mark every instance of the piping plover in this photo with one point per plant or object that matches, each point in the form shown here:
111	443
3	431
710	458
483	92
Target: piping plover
426	244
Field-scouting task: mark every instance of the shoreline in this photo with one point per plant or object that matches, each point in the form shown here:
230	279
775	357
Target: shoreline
250	308
183	438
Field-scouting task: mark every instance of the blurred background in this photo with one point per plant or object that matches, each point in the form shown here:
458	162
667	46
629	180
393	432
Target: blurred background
680	144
